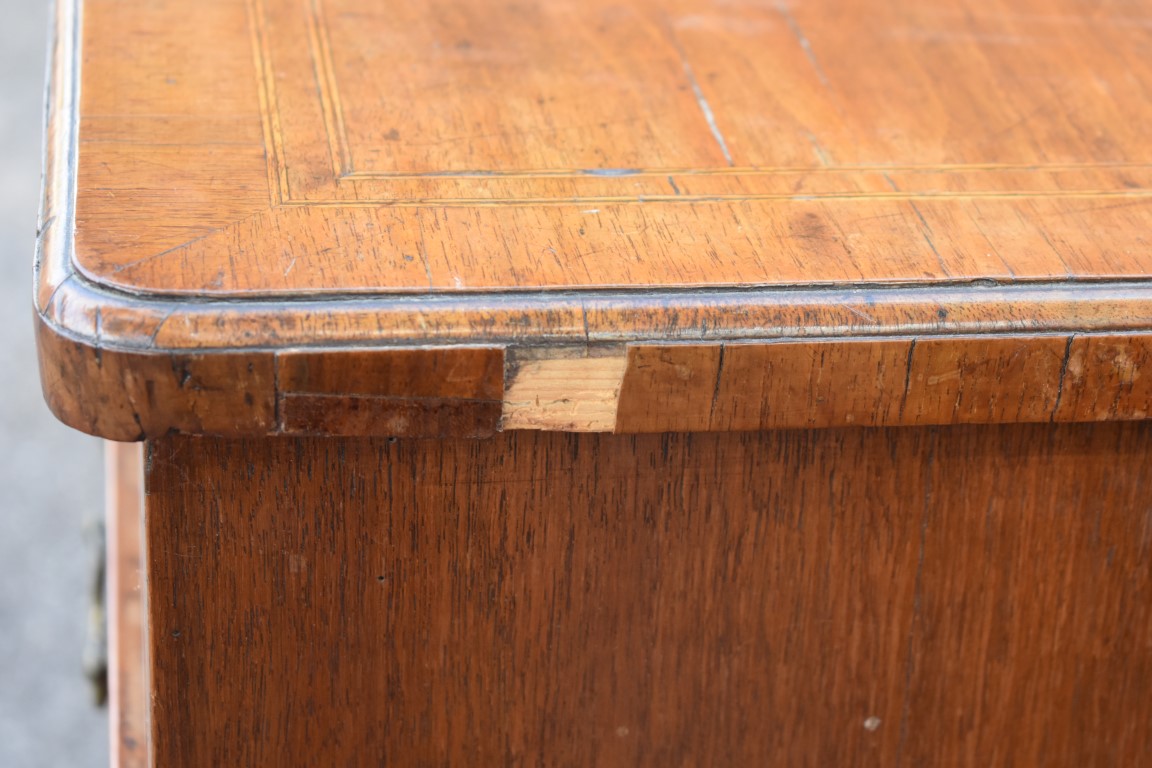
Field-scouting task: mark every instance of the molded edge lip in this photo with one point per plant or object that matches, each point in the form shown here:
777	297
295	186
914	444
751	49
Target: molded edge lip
80	321
86	313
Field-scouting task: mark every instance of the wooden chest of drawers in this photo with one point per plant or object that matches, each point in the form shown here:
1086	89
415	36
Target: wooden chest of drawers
612	383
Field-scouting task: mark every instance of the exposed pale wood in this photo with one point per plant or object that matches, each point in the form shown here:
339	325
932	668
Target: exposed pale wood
983	593
127	668
569	394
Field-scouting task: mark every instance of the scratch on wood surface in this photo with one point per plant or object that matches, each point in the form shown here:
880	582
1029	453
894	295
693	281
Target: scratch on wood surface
424	256
991	244
859	313
1063	375
160	325
705	108
907	378
716	385
805	43
1055	251
821	154
926	230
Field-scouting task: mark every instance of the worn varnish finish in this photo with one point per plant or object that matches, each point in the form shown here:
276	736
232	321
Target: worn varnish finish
984	593
128	395
585	143
461	391
227	182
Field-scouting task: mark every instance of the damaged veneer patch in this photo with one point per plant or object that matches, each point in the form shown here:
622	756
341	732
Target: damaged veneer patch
569	389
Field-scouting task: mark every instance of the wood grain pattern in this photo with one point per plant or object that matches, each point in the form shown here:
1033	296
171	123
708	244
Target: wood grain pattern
884	382
1106	378
289	220
128	685
955	596
573	393
227	180
454	392
753	145
129	396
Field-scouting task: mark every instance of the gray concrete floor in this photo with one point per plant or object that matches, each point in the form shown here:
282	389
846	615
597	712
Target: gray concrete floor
50	477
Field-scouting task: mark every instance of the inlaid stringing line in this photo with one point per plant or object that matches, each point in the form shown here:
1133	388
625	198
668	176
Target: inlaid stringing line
340	149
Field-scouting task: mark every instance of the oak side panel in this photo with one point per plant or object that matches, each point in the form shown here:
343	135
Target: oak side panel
922	596
127	664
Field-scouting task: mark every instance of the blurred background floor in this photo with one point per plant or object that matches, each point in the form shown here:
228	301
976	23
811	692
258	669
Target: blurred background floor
50	477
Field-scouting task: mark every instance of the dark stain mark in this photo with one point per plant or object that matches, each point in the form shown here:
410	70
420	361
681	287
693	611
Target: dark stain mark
180	371
810	226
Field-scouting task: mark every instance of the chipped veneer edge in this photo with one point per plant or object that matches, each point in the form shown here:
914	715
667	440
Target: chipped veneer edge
571	394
